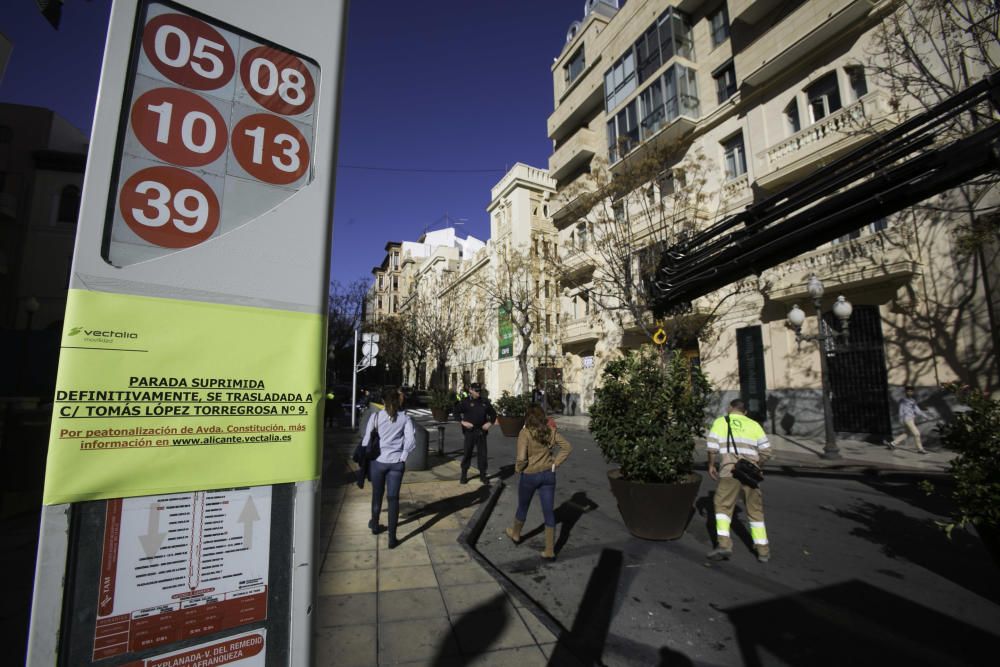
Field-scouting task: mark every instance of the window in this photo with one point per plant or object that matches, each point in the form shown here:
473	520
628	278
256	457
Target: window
856	77
395	260
619	81
651	108
380	303
873	227
725	82
381	282
735	156
395	283
681	28
546	289
718	22
623	132
618	210
647	53
577	63
665	184
680	92
548	323
792	123
69	204
824	97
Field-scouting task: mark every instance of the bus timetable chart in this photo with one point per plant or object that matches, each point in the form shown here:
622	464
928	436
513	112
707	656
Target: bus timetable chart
181	565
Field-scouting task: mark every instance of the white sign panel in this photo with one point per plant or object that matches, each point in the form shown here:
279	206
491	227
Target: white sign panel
243	650
182	565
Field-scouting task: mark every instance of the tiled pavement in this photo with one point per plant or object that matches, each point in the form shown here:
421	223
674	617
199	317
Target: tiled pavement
427	602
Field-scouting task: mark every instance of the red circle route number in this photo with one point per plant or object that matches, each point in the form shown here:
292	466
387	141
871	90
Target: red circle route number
179	127
277	80
270	148
169	207
189	52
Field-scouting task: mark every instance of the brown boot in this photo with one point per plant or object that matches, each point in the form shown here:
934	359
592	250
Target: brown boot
550	543
514	532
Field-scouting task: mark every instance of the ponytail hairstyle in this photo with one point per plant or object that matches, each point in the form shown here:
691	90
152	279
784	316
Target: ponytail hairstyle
390	399
537	424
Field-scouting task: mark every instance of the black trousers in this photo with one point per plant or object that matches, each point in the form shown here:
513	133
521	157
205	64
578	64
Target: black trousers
475	439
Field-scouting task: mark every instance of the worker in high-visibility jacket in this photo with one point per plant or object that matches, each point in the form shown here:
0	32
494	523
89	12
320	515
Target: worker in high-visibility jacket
732	437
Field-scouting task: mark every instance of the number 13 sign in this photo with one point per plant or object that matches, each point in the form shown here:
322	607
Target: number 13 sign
218	129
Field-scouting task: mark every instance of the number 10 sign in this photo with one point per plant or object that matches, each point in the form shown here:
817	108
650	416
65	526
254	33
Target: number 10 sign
217	129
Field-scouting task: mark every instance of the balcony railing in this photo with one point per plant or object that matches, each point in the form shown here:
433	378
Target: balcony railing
828	137
577	330
580	148
736	191
879	257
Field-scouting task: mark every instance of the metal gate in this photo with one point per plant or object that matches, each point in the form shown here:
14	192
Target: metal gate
858	378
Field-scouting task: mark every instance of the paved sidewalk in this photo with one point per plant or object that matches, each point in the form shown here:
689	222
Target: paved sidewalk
427	602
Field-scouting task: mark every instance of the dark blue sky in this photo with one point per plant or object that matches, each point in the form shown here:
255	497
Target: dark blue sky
457	85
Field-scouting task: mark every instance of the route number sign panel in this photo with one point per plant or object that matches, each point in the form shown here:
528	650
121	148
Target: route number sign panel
218	128
179	566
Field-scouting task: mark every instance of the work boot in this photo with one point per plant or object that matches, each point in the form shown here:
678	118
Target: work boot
465	477
550	544
763	558
514	532
719	553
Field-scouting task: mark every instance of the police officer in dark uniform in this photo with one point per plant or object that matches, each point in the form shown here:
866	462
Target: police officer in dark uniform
476	415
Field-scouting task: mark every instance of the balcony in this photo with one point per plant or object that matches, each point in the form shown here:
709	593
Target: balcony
882	259
570	204
793	39
834	135
579	149
585	95
579	330
750	11
736	192
577	260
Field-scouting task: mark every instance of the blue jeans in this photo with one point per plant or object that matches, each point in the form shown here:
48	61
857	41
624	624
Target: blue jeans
381	474
545	483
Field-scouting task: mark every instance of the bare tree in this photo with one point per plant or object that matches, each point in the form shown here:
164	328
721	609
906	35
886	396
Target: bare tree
512	288
345	308
624	220
922	53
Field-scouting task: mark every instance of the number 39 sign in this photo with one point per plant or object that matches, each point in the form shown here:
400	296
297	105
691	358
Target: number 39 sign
214	116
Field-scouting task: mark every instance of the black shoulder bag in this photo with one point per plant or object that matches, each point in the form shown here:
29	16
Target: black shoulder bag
374	448
745	471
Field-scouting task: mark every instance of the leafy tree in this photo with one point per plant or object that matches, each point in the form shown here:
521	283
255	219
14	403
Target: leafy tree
345	307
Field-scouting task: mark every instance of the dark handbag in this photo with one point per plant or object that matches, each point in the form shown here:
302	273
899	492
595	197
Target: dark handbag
374	448
746	472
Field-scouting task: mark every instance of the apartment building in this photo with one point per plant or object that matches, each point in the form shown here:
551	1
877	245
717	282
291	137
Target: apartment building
383	295
733	101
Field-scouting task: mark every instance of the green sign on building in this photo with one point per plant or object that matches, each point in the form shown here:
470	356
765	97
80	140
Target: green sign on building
506	333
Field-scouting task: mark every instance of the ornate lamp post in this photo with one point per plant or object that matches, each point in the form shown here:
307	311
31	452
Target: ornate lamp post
842	311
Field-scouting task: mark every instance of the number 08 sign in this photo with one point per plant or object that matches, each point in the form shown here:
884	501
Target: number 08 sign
217	130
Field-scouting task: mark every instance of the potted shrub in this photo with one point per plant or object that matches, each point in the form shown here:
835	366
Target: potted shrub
975	435
645	418
441	403
510	412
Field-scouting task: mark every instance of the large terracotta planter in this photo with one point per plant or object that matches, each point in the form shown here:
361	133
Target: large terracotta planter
439	414
510	426
655	511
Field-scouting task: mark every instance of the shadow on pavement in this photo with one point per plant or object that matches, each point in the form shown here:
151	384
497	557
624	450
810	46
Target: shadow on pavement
475	631
855	623
567	514
440	509
924	543
584	643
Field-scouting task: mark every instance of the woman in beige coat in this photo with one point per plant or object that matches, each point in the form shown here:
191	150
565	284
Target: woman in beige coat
537	460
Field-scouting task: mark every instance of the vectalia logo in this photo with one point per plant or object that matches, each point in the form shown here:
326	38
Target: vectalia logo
97	333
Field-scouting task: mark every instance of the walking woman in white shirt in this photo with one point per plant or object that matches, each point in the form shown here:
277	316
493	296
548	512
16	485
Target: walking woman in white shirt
396	441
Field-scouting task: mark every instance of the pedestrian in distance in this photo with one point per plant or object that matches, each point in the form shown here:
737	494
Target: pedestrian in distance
476	415
396	441
540	450
908	413
735	436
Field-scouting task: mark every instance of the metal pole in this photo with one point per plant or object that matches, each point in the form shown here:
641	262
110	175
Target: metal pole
830	449
354	380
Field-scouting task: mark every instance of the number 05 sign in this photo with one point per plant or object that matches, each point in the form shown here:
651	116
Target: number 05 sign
218	128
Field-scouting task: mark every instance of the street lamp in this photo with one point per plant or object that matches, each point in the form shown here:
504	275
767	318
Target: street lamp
842	311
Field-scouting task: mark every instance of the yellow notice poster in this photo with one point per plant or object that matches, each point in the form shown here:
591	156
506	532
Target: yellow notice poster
156	396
